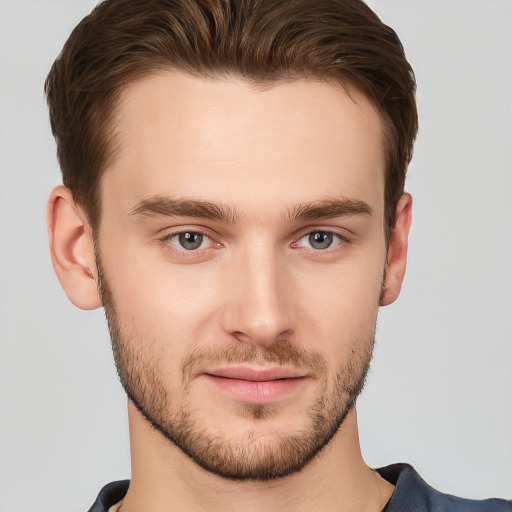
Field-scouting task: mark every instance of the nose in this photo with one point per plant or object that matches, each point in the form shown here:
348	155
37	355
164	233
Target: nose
258	309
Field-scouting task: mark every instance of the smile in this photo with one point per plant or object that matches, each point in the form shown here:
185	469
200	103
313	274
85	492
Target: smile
257	385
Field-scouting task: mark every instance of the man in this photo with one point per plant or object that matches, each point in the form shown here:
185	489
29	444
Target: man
234	198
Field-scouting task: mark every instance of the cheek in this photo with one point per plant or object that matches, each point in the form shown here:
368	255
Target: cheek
156	301
339	306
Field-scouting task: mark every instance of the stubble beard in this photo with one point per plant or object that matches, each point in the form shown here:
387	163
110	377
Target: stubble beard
251	458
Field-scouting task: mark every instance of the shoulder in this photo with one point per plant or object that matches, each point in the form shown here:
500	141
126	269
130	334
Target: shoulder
111	494
413	494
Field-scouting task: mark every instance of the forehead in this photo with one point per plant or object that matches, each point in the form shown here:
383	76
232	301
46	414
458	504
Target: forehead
291	141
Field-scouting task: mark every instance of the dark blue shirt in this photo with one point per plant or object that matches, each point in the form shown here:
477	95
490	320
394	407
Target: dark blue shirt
412	494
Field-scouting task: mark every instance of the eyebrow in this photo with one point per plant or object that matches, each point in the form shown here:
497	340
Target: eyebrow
329	209
160	206
163	206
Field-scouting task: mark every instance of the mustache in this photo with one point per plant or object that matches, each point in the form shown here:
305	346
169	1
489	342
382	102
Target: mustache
282	352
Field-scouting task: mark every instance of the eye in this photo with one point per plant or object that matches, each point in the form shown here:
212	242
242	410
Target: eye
189	240
320	240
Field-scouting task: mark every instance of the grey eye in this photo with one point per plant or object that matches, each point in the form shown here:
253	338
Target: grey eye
320	239
190	240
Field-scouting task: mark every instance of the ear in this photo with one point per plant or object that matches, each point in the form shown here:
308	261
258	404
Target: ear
397	251
72	249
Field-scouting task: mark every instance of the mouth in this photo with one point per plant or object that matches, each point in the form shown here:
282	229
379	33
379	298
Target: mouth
257	385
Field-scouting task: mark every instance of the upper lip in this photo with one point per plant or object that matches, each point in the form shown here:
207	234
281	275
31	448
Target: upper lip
257	374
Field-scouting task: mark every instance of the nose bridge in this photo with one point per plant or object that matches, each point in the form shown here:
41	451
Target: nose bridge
258	308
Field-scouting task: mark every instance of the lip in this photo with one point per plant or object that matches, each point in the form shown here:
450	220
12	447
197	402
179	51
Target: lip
257	374
256	385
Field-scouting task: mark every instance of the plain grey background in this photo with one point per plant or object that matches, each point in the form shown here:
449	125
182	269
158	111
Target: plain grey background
440	392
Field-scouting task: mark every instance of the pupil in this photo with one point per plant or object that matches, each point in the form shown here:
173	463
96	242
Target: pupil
320	240
190	241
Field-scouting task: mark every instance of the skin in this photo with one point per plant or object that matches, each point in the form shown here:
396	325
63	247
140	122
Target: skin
262	155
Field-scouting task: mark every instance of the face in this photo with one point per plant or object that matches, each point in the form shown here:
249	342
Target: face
241	255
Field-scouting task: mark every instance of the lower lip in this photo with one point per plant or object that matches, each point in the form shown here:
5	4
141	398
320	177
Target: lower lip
257	392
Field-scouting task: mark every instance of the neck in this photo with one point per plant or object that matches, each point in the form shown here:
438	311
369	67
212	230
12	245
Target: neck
165	479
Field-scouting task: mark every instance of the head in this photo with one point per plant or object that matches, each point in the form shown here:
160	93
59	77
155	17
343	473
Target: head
123	41
234	176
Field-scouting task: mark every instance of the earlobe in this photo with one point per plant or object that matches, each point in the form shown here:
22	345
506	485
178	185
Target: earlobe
72	249
397	251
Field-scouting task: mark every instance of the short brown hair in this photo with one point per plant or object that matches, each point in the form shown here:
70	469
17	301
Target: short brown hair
260	40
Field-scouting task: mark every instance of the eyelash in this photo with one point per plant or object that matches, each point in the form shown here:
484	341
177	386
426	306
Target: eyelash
341	240
167	242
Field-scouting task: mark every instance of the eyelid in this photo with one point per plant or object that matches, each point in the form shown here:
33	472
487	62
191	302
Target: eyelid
170	233
343	239
166	238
